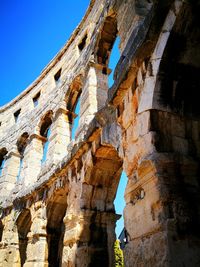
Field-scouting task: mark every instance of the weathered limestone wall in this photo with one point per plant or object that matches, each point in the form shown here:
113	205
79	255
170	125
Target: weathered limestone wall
58	210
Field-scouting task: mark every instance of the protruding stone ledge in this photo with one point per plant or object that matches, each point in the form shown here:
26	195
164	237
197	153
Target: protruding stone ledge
39	137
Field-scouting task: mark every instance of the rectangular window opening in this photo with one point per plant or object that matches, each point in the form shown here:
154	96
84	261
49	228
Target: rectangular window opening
82	43
16	115
57	75
36	99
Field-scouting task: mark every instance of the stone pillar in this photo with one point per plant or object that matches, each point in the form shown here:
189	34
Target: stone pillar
9	249
32	159
89	239
147	242
37	248
110	220
94	93
60	136
9	173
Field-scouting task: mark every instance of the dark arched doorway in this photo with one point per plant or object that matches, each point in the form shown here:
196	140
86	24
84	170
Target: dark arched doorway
23	228
56	210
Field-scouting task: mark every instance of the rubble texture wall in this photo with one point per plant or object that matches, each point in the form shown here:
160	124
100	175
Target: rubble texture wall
57	209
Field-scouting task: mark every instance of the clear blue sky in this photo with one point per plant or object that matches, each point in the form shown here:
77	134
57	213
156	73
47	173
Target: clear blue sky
32	32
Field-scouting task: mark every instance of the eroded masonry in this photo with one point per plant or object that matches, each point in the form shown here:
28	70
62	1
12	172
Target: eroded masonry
57	192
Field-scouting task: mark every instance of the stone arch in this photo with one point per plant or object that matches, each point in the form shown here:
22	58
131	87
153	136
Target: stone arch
173	66
73	94
107	165
23	223
56	209
170	94
9	168
106	41
178	76
106	55
177	92
45	132
72	98
103	172
22	143
45	123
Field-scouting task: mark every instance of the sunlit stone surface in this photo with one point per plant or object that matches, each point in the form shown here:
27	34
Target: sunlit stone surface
57	209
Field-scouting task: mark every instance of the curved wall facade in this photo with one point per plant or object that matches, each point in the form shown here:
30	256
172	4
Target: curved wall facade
57	192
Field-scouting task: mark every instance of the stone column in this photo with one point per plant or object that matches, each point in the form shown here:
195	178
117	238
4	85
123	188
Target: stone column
60	136
110	220
89	238
143	218
37	249
94	93
9	173
32	159
9	249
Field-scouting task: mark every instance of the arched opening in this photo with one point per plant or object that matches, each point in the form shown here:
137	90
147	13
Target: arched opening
98	195
178	78
120	203
56	210
113	60
76	120
73	100
46	145
3	153
108	53
21	146
177	91
23	228
45	131
107	39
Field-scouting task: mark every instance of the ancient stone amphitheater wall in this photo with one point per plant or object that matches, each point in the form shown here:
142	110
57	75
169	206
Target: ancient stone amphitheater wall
58	210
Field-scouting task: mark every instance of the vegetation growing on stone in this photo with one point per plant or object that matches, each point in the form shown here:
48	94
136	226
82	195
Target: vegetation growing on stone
119	259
